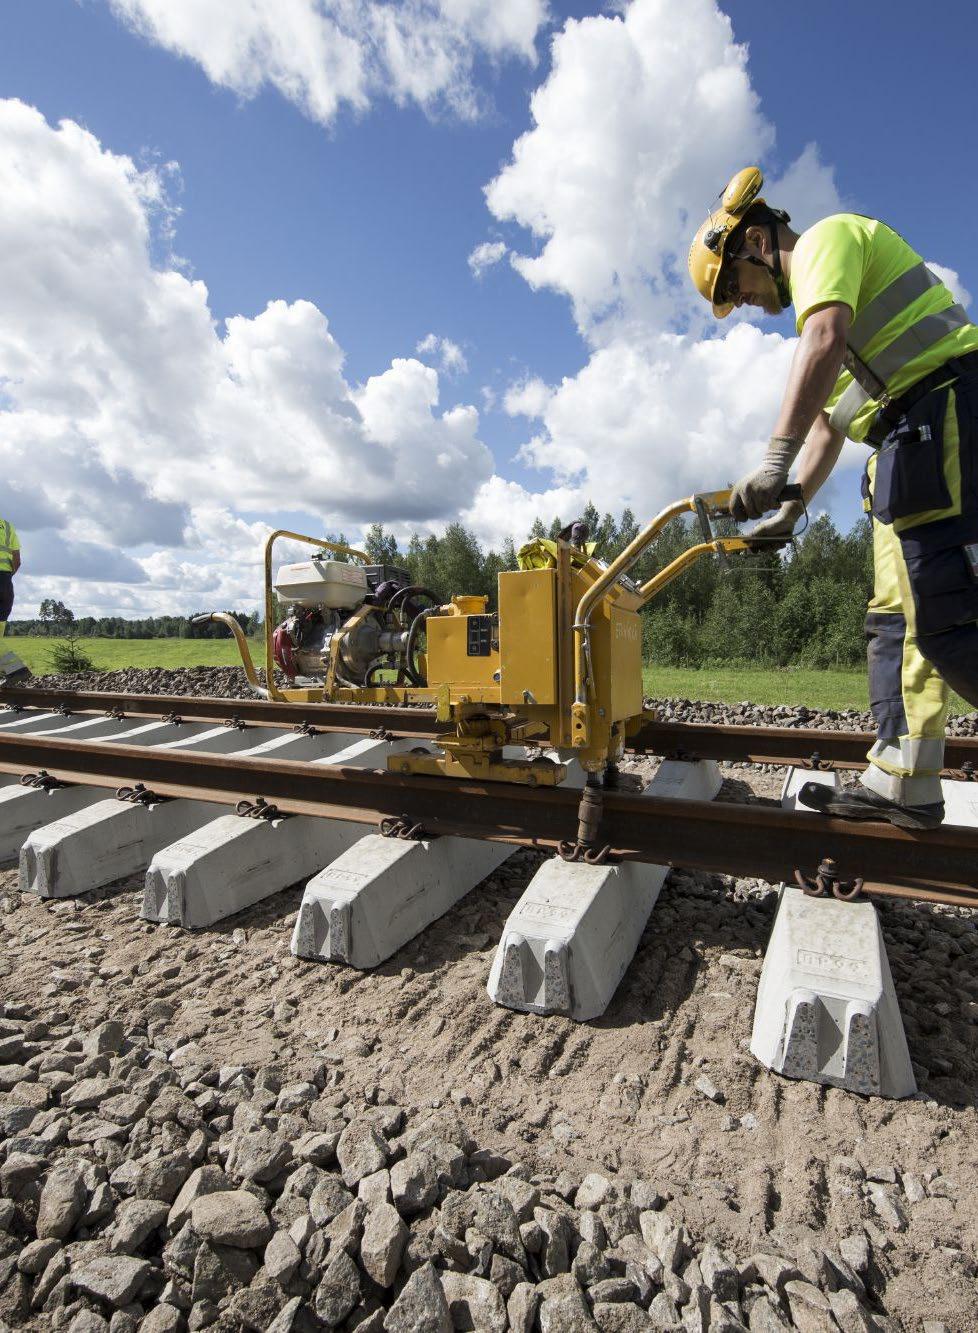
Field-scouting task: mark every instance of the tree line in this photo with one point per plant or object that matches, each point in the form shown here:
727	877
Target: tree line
804	607
54	616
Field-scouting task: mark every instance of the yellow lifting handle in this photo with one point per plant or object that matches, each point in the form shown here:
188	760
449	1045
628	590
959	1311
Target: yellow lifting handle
714	502
711	504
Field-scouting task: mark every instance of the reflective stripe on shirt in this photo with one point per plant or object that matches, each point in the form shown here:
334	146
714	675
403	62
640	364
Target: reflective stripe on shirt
6	549
892	359
902	291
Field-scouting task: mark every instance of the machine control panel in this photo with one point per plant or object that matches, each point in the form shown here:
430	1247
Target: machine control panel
479	637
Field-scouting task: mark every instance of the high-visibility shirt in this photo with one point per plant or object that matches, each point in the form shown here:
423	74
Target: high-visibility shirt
9	542
905	321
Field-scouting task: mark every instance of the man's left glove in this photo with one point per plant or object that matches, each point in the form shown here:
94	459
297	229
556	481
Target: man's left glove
760	491
780	526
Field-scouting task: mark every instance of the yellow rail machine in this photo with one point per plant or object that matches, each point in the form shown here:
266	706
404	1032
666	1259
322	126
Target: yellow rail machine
558	666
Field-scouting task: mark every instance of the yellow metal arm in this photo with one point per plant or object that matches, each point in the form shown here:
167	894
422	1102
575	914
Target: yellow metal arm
658	581
223	618
715	503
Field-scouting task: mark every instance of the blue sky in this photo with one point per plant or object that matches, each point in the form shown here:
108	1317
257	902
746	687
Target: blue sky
370	215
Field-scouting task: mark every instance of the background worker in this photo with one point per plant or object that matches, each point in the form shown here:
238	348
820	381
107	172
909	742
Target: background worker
885	356
11	667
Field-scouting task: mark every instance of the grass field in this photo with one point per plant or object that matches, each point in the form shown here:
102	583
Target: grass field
759	685
115	654
775	685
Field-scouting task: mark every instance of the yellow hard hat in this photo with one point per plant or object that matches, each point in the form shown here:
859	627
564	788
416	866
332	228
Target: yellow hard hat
708	250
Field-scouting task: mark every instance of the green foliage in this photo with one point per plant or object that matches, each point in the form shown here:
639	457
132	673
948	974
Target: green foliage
65	657
50	615
340	556
801	608
143	627
380	546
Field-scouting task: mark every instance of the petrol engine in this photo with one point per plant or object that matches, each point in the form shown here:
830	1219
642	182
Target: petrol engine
351	625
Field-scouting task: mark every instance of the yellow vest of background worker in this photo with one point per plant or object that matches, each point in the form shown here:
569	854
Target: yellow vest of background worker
12	669
9	560
9	544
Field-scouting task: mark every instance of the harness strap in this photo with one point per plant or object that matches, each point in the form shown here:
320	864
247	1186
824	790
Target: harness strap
888	416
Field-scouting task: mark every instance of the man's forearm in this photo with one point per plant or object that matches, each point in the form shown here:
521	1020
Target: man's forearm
814	371
818	456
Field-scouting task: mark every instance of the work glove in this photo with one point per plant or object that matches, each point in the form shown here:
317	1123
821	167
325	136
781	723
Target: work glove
759	491
780	525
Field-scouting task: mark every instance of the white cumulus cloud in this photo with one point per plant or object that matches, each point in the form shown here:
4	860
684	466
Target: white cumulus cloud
449	356
641	121
129	414
952	281
644	116
485	255
527	398
326	54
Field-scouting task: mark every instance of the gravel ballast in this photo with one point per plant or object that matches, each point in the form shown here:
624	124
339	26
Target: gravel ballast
202	1131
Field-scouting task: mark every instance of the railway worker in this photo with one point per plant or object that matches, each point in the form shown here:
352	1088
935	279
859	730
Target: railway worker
11	667
888	358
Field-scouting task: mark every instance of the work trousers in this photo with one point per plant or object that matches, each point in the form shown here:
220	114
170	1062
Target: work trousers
922	622
6	599
10	663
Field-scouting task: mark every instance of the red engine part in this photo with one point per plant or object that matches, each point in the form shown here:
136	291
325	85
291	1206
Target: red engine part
283	651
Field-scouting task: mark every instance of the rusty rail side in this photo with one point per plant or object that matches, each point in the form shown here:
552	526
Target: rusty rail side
412	722
941	865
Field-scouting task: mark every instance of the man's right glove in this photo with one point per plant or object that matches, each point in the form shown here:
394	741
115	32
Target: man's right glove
759	491
779	525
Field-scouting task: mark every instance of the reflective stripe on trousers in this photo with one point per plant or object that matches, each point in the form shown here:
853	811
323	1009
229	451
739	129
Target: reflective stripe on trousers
908	697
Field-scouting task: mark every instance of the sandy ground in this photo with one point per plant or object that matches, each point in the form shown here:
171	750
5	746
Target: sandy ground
797	1162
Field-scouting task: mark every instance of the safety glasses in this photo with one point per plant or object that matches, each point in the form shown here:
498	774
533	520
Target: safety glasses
728	285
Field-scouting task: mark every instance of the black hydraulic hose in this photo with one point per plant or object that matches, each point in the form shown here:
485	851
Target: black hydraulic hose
411	591
413	675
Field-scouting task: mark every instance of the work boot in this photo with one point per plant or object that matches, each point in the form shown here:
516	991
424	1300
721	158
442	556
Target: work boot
861	803
19	677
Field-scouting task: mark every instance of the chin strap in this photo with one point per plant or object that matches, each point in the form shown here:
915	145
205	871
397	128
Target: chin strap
780	281
778	216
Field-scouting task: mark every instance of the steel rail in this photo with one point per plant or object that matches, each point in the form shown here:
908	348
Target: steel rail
410	722
802	746
806	747
940	865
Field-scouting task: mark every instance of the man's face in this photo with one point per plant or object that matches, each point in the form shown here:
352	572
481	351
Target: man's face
744	283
